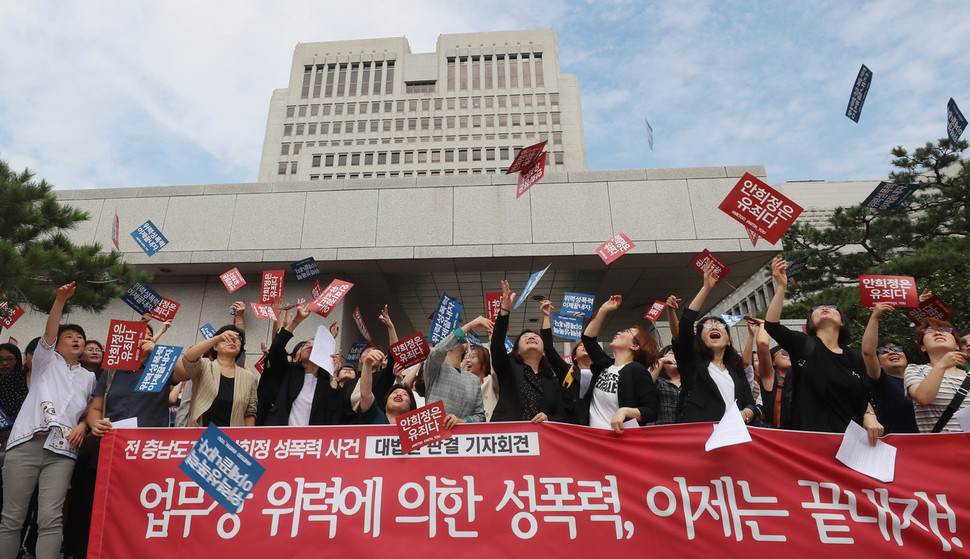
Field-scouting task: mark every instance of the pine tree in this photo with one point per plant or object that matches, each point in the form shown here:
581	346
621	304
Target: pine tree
36	255
927	237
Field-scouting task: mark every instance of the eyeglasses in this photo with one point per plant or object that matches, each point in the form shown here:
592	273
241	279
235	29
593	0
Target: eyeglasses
783	353
933	331
10	359
95	349
826	307
717	325
889	349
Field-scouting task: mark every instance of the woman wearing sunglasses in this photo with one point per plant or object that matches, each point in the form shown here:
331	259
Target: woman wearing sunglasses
711	370
886	364
829	384
933	386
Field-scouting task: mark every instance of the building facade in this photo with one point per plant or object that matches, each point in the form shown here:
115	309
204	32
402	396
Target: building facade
372	109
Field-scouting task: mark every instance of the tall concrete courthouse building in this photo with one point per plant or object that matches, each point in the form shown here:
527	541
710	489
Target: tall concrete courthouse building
387	167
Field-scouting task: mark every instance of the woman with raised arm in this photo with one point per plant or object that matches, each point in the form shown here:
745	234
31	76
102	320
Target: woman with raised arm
528	388
711	370
621	387
573	377
445	380
933	385
223	392
829	384
771	368
45	437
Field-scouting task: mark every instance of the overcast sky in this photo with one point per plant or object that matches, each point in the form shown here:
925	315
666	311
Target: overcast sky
116	94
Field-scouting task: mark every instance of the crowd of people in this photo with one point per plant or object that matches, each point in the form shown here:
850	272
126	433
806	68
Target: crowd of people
61	401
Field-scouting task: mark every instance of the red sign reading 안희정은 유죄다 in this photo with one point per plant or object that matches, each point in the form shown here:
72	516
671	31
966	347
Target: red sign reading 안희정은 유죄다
762	209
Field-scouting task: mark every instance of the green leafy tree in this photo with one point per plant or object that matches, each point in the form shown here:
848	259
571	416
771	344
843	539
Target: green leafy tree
36	255
927	237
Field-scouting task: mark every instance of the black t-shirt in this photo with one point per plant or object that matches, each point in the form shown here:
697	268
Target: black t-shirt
220	412
894	409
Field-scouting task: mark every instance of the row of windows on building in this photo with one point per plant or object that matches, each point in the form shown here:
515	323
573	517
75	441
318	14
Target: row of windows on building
351	79
423	123
554	139
406	174
411	157
414	105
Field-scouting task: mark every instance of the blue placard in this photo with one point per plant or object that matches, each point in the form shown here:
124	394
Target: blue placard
581	303
859	92
305	269
141	298
649	134
222	468
508	344
149	238
796	267
447	317
158	368
533	280
731	319
5	421
353	356
887	195
207	331
473	339
569	327
955	121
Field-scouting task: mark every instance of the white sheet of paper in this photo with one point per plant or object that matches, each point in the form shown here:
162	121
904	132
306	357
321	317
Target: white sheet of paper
877	462
630	424
963	416
130	423
730	430
324	346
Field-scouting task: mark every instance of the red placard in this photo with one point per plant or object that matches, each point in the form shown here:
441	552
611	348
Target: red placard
898	290
272	286
526	158
753	235
327	301
359	319
232	279
9	315
530	176
721	270
422	427
114	231
493	304
122	350
265	311
260	364
411	351
491	490
614	248
761	208
932	307
655	309
316	290
165	310
13	340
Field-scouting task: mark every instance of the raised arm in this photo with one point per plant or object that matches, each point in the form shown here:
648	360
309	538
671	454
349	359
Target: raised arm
749	344
673	303
870	339
766	369
370	362
385	319
773	313
161	330
709	282
559	365
596	323
194	353
239	315
64	293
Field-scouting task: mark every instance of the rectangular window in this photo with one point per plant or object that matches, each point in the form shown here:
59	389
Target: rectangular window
555	118
378	66
559	158
328	160
529	119
449	155
336	128
463	122
365	79
526	72
437	122
296	148
451	74
542	118
502	101
477	121
287	129
422	157
311	129
362	108
412	124
554	99
330	77
436	156
413	105
463	155
386	125
425	123
451	122
557	138
316	161
490	154
541	100
341	80
355	159
318	80
306	82
463	103
351	108
489	101
314	110
426	104
398	124
540	81
375	107
342	160
285	149
463	73
513	71
488	72
395	158
477	154
368	159
513	100
389	82
489	121
282	169
400	106
451	103
503	154
476	73
362	126
375	125
500	71
338	109
503	120
409	157
437	104
293	168
382	158
290	111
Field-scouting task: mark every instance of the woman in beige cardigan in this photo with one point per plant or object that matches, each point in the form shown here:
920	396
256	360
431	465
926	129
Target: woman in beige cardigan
223	392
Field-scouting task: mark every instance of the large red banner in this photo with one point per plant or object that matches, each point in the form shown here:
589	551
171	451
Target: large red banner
524	490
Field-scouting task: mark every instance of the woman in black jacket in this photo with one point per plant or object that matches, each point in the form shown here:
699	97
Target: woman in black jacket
711	370
528	389
621	387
